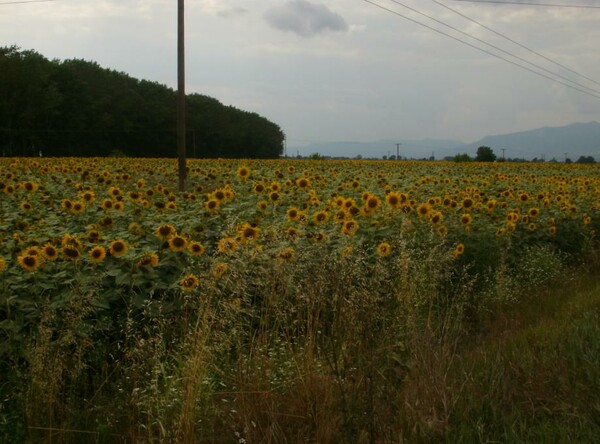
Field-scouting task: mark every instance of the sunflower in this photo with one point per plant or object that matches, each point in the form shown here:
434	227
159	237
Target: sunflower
243	172
424	209
78	207
148	260
552	230
165	231
30	186
467	203
302	182
320	237
393	199
177	243
350	227
466	219
459	250
372	203
248	233
31	251
292	213
436	218
533	212
71	253
384	249
219	269
29	263
97	254
320	217
2	264
442	230
286	254
118	248
50	252
107	204
227	245
212	204
262	205
196	248
189	282
26	206
274	196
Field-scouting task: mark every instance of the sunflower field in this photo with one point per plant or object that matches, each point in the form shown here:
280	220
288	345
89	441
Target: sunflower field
138	313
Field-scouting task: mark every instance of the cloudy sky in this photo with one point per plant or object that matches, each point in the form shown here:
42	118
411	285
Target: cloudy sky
341	69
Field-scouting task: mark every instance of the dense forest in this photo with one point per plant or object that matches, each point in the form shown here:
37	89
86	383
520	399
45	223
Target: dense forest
77	108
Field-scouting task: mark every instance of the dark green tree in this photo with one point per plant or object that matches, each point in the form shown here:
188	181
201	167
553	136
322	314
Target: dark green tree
485	154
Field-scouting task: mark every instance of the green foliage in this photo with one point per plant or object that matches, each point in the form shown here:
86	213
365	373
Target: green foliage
485	154
77	108
464	157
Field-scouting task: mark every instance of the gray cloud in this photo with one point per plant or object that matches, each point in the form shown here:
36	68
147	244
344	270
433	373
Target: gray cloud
233	12
305	18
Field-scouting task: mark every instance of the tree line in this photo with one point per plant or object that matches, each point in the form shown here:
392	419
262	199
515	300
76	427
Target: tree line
77	108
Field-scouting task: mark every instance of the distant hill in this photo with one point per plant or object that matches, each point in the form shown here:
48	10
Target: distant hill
577	139
409	148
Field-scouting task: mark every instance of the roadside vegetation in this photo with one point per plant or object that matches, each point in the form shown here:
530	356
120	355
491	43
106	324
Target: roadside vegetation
298	301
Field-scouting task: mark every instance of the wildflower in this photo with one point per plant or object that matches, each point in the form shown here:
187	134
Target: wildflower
189	282
97	254
118	248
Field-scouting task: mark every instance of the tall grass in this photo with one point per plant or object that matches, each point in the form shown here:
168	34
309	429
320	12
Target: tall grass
330	346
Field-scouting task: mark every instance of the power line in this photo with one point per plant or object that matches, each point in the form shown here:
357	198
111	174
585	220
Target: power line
551	5
495	47
26	1
515	42
480	49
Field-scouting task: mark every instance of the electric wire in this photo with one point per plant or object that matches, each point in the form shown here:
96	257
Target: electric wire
480	49
551	5
515	42
497	48
25	1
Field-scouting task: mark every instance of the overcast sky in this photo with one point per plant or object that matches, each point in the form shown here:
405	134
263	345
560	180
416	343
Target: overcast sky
340	69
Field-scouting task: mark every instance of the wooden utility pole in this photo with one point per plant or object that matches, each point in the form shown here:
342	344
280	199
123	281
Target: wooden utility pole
181	94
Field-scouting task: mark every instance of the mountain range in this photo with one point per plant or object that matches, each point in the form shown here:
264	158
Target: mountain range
572	141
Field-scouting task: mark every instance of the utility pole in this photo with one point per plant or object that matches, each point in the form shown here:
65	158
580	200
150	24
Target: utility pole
503	149
181	94
398	151
566	156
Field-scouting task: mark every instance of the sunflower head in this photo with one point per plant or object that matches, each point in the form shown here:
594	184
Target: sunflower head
384	249
118	248
97	254
177	243
189	283
71	253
